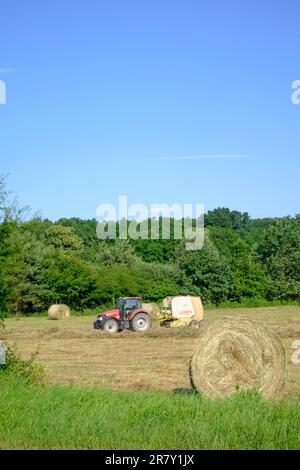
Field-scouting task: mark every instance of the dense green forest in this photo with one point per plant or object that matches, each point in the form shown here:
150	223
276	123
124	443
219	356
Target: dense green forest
44	262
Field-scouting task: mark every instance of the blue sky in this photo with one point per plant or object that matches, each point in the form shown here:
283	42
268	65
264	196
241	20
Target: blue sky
135	97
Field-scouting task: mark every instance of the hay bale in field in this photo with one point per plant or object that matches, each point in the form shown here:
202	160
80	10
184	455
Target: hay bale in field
152	309
58	312
198	308
238	353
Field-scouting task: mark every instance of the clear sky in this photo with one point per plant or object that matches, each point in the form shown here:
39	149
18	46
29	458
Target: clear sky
163	101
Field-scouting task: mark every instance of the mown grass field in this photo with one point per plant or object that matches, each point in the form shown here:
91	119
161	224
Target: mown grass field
130	391
72	352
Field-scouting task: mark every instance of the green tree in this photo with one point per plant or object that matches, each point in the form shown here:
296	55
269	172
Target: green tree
10	218
63	239
279	252
118	252
72	281
224	217
249	280
205	272
24	271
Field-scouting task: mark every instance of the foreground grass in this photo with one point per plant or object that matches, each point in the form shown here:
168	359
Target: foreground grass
84	418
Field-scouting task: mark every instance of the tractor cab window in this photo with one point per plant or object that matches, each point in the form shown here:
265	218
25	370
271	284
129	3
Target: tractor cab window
132	304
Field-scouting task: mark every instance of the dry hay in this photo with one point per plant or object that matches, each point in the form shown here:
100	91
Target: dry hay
238	354
58	312
152	309
198	308
287	331
56	333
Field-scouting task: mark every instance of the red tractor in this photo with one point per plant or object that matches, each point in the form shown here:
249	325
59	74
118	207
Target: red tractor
129	315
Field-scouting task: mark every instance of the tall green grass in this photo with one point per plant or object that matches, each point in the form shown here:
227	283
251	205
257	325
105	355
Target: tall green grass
60	417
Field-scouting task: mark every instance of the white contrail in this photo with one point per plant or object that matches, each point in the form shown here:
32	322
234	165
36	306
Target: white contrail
6	70
206	157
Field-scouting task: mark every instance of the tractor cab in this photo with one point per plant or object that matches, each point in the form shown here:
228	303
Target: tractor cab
127	305
129	315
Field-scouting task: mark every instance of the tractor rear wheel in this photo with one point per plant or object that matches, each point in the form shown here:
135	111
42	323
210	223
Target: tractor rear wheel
111	326
141	322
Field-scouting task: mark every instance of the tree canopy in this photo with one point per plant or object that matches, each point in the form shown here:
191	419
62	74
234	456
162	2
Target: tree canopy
42	262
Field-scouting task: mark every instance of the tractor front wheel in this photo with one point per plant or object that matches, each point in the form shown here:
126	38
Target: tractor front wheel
111	326
141	322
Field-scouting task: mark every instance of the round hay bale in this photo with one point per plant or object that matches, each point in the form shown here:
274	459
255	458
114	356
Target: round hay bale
58	312
238	354
152	309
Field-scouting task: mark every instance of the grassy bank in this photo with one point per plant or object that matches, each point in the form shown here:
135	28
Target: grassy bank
252	303
85	418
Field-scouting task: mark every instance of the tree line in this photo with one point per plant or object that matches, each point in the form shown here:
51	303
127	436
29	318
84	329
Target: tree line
243	259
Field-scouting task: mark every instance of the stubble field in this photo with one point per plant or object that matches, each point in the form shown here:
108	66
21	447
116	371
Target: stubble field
73	353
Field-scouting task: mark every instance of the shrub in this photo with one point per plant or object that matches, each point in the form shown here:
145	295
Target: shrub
26	370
